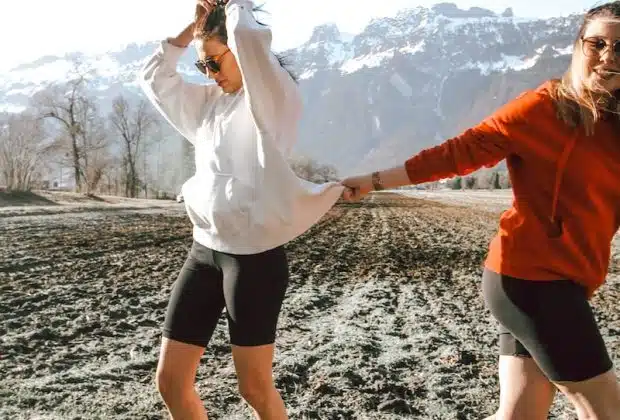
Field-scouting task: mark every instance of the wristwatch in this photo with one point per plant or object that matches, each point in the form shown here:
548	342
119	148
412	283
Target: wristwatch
376	182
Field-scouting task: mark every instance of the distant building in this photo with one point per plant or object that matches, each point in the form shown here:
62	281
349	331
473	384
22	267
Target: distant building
59	178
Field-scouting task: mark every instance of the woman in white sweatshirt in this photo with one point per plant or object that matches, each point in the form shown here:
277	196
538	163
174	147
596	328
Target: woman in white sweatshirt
244	201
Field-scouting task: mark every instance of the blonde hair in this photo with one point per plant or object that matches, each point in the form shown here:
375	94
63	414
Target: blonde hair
577	103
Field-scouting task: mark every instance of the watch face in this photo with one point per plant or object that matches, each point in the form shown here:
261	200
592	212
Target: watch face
376	181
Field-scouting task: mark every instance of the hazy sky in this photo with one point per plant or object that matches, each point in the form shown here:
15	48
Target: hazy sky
33	29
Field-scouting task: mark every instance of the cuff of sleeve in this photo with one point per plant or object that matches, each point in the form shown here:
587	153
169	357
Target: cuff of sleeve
169	51
409	163
232	4
416	172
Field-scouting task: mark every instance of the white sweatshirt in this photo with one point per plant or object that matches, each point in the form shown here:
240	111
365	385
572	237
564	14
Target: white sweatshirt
244	197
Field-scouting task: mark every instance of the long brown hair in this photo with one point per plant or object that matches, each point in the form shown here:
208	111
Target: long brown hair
577	104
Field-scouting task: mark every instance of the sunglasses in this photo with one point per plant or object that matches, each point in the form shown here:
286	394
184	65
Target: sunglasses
212	64
595	46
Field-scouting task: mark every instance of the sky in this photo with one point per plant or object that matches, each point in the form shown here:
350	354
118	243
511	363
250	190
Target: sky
30	30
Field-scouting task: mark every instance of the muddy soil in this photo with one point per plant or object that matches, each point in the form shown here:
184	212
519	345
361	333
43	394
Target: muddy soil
383	318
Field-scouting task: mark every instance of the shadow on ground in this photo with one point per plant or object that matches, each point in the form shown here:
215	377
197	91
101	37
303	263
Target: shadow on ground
23	198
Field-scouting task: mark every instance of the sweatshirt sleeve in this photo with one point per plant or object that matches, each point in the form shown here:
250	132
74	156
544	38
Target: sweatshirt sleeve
181	103
484	145
271	91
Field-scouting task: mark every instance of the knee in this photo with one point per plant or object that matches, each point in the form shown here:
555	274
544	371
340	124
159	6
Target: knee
163	382
170	385
256	392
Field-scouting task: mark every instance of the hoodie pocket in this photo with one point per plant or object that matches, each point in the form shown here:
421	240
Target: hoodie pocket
218	203
527	233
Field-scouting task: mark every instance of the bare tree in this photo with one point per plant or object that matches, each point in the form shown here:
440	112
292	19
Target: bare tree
495	184
77	117
133	125
470	182
455	183
504	180
160	173
94	141
157	175
23	148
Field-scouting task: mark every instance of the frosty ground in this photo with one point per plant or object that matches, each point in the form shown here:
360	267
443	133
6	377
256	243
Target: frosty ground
383	318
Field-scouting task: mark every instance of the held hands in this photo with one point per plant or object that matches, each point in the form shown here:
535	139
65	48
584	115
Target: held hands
205	7
356	187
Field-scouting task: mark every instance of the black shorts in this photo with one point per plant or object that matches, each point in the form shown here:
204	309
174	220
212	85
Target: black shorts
250	287
550	321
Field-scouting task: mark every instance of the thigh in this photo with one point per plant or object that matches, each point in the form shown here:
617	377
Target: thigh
553	321
196	300
177	365
254	289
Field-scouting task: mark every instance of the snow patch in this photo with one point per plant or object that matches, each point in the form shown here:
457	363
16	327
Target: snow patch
563	51
508	62
307	74
452	24
419	47
368	60
57	71
337	53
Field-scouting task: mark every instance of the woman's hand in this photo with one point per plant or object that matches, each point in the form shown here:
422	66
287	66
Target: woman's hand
356	187
205	7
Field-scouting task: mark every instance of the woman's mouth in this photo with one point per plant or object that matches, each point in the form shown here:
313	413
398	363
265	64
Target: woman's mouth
607	73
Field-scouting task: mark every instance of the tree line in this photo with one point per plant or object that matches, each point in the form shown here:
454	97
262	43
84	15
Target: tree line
65	140
487	180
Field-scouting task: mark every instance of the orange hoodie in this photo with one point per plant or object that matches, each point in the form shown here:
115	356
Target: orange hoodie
566	186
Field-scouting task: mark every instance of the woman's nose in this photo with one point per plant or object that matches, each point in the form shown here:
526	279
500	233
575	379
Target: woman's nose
608	55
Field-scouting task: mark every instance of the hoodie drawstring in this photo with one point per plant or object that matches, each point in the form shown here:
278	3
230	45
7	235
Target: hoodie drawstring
555	230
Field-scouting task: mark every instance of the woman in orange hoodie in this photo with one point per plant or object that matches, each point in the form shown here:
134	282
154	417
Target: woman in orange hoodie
561	142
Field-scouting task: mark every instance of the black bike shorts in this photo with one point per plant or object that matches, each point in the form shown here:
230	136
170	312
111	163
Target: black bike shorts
250	287
550	321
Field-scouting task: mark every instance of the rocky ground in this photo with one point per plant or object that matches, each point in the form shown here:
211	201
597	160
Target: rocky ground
383	318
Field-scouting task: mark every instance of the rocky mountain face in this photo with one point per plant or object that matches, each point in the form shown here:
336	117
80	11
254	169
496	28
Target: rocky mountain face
371	99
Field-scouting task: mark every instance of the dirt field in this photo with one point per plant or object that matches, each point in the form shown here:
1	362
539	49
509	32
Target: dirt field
55	202
383	319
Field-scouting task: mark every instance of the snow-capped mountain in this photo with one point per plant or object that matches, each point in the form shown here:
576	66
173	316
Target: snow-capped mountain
374	98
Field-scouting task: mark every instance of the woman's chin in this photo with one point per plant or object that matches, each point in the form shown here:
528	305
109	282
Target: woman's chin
605	83
229	88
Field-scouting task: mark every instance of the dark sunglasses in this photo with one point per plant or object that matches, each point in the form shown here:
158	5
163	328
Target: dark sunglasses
212	64
595	46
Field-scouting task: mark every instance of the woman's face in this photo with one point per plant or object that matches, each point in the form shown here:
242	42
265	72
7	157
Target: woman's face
219	63
600	55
